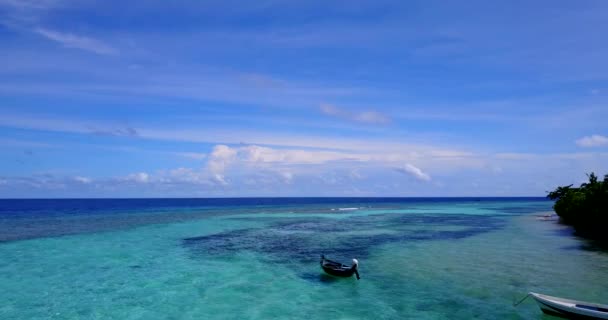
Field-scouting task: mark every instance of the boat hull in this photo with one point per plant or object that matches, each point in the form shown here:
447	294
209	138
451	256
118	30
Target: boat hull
338	272
337	269
570	309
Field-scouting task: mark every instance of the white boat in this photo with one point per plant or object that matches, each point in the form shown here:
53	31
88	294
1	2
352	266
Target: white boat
570	309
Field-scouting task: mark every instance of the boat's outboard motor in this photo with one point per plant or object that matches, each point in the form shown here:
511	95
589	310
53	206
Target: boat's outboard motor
356	267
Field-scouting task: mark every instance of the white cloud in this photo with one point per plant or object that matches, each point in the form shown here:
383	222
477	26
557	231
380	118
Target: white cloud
219	159
183	175
414	171
298	145
595	140
258	154
226	165
223	155
83	180
140	177
284	163
219	179
249	173
369	117
277	162
69	40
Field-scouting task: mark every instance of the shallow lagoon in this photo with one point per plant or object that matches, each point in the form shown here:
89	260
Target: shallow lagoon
420	259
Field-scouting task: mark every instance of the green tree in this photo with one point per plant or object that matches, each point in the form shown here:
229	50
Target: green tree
585	208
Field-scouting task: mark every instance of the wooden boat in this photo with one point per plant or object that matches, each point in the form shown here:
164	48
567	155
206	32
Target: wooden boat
570	309
338	269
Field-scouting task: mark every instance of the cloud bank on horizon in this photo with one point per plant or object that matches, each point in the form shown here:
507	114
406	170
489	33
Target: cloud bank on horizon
300	98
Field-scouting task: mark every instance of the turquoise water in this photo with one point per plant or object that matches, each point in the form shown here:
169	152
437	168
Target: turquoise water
459	259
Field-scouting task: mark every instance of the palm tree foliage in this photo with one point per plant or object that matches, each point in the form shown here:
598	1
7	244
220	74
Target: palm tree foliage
585	208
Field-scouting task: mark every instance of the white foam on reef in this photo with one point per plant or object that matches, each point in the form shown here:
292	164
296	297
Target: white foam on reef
345	209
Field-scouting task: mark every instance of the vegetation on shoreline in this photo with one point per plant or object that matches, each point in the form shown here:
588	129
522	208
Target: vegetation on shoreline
585	208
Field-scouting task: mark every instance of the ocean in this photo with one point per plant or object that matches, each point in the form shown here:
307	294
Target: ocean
258	258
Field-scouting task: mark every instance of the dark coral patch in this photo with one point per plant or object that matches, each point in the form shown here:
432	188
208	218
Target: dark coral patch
301	240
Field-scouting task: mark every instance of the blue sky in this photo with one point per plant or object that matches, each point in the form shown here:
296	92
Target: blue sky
301	98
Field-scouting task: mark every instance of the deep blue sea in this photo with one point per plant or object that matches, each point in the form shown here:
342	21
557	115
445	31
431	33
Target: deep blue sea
258	258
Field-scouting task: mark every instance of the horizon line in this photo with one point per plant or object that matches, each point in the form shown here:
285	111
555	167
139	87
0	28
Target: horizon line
279	197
